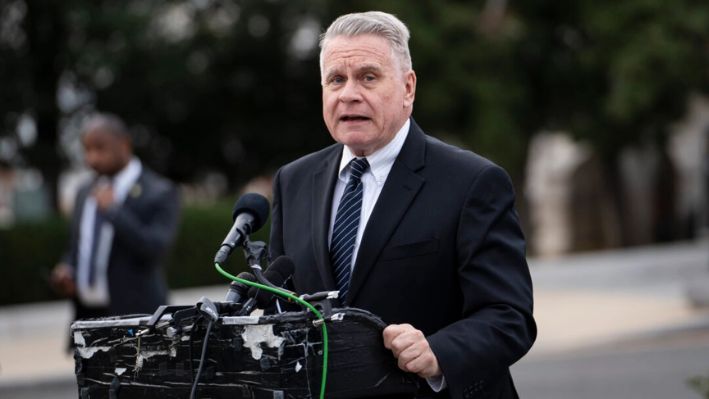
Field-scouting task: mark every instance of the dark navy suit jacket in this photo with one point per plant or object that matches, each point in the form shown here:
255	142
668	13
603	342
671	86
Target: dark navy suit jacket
442	250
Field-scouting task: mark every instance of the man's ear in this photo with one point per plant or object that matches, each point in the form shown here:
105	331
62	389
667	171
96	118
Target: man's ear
410	87
127	147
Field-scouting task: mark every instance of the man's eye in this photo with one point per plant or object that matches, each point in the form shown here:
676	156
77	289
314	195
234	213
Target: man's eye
336	80
369	78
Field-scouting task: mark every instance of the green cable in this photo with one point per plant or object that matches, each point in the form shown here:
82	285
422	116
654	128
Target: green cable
323	380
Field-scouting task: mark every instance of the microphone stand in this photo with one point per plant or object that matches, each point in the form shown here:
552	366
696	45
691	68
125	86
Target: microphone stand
256	253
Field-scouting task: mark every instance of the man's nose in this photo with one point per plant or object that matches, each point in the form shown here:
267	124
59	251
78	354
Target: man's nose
91	159
351	91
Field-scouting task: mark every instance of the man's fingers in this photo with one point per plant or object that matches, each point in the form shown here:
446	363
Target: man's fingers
408	355
103	196
425	365
62	281
60	273
392	332
407	341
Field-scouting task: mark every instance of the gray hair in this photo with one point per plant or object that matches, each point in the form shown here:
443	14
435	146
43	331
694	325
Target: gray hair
375	23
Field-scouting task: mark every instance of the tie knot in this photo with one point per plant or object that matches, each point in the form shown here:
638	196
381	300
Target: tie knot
357	167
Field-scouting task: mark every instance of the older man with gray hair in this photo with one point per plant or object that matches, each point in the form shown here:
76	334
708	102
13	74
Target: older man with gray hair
419	232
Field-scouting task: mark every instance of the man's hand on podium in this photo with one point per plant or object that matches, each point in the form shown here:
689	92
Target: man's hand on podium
411	348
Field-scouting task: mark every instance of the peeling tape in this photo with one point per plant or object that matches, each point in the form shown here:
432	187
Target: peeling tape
88	353
79	339
148	354
254	336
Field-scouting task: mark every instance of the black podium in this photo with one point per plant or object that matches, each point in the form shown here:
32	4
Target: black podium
274	356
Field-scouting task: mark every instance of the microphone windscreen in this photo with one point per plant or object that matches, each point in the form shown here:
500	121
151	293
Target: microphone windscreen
277	274
255	204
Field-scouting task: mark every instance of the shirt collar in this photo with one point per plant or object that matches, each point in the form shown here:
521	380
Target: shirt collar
381	160
126	178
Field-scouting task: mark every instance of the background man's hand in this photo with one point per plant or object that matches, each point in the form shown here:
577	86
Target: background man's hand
104	196
62	280
411	348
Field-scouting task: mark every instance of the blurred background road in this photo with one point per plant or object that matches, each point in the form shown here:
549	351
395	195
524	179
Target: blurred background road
619	324
612	324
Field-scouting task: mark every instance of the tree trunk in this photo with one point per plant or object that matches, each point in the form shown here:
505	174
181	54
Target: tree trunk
46	32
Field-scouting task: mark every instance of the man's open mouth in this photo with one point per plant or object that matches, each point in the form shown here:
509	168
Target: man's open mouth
353	118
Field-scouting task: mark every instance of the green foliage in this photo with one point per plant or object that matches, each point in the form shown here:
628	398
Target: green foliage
211	97
28	252
615	73
700	384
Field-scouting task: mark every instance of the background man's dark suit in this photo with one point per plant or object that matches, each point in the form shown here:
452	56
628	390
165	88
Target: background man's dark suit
442	251
144	226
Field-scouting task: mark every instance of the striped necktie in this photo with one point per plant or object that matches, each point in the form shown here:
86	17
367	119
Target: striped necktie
344	231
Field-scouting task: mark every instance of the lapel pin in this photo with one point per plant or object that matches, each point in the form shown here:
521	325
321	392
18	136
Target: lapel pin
136	191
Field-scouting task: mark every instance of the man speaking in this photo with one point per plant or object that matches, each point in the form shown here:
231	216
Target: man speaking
421	233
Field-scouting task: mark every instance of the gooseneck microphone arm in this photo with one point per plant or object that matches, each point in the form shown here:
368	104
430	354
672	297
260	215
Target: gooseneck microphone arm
250	213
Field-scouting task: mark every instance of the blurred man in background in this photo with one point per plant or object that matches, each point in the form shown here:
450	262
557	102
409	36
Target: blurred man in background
123	223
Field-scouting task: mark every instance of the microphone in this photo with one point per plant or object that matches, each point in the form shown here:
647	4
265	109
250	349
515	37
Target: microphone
250	213
237	290
276	275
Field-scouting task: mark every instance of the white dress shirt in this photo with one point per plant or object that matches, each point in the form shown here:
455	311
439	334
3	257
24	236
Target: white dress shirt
373	179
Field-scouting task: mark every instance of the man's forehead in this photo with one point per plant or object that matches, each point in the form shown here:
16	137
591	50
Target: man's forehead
341	48
337	66
102	133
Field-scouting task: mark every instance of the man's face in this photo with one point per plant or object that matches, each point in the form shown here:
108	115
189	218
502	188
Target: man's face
366	95
104	152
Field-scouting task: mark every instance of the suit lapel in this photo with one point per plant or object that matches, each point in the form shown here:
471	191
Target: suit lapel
135	192
400	189
323	187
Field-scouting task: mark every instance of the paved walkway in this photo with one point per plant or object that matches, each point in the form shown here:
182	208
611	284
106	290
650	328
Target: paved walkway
597	298
581	301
